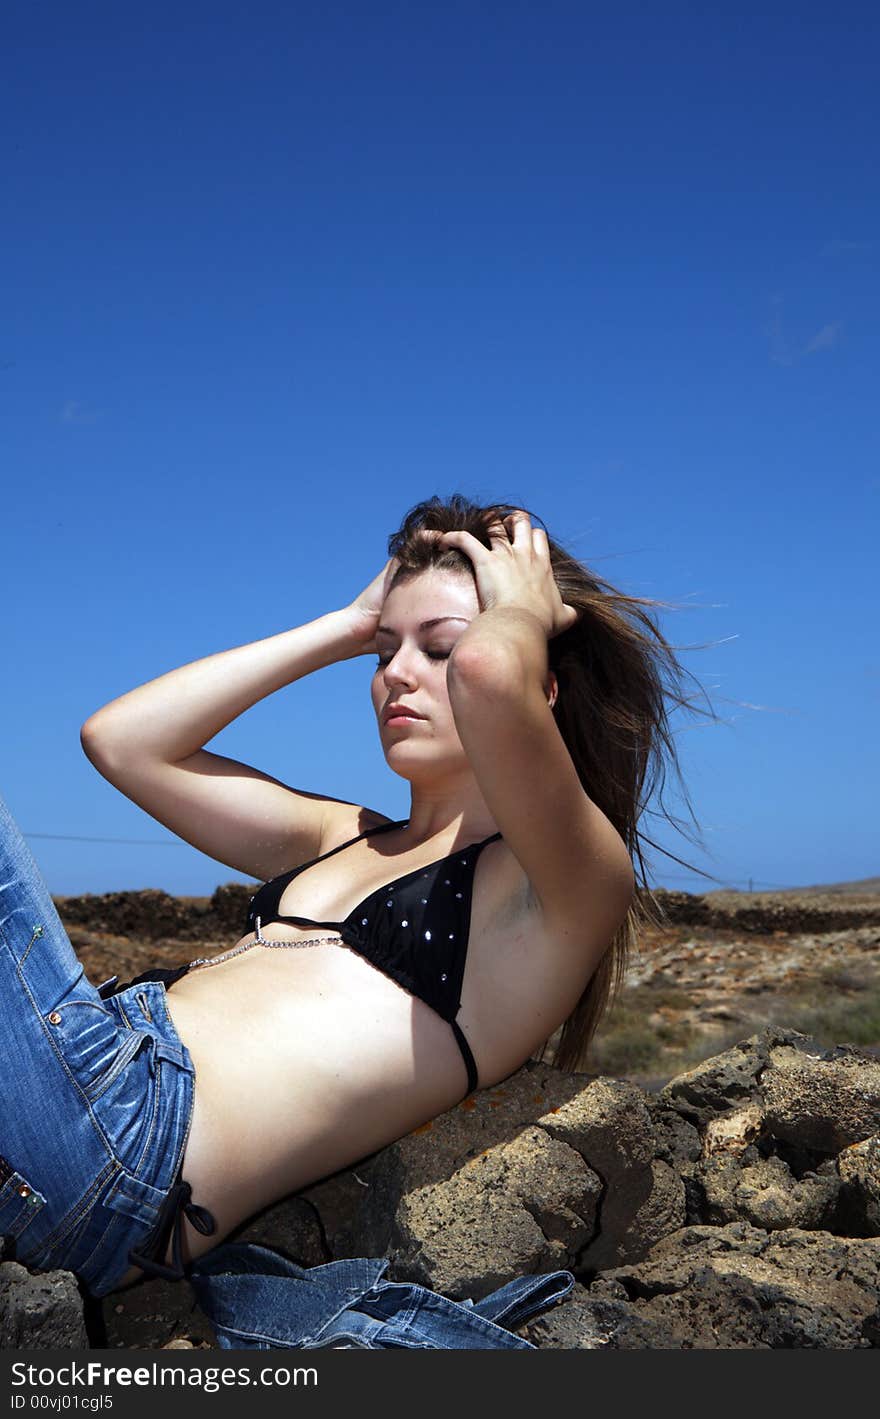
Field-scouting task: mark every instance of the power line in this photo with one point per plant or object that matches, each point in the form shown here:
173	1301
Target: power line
733	883
134	842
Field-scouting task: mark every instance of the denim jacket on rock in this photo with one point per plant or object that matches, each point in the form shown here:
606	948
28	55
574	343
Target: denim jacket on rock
256	1299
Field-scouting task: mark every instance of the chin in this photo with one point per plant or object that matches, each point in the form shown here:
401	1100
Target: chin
412	763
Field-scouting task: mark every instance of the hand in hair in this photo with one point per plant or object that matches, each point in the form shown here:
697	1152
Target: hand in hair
516	571
366	608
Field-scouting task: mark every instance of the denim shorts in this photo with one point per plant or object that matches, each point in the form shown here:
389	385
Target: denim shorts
96	1095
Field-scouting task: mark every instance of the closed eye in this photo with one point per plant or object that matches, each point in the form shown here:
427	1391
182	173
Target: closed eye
431	654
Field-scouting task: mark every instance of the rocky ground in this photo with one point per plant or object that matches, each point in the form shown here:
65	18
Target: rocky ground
713	1180
736	1208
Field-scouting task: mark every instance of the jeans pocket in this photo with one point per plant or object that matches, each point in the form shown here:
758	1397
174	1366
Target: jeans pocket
20	1202
94	1045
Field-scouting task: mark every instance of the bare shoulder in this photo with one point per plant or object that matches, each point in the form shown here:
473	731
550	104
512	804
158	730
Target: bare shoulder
344	821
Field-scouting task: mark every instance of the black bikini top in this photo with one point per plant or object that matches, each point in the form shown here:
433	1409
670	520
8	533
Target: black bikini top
414	929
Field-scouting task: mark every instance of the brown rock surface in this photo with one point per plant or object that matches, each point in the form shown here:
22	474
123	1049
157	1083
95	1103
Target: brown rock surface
39	1311
821	1103
730	1288
859	1170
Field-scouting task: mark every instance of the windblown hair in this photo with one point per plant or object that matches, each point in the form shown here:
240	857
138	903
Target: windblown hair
617	677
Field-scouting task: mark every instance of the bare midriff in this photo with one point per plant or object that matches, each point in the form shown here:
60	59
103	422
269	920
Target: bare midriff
309	1059
306	1060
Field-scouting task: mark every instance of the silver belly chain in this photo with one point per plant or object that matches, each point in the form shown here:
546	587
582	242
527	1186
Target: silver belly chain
260	940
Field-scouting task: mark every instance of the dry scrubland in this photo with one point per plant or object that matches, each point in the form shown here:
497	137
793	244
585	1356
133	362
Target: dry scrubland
723	966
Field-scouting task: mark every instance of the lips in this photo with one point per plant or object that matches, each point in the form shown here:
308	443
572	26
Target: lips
401	712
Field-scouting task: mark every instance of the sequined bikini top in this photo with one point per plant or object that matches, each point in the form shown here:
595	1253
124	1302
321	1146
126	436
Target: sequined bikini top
414	929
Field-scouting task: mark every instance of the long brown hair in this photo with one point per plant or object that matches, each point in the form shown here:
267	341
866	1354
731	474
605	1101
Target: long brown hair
618	677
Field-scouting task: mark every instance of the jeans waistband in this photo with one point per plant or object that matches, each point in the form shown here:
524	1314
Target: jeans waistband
166	1203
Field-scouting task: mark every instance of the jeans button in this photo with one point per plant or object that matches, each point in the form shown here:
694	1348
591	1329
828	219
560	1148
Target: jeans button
24	1190
54	1018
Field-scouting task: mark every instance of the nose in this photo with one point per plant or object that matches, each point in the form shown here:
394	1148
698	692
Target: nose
400	669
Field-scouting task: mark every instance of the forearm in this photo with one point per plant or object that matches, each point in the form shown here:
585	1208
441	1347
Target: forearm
171	717
502	640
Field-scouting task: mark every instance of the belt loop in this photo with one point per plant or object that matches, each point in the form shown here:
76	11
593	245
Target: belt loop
166	1049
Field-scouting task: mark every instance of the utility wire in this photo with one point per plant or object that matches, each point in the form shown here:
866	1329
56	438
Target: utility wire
749	882
135	842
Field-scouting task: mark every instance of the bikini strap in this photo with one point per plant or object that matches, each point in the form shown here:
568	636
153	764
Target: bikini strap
467	1056
380	828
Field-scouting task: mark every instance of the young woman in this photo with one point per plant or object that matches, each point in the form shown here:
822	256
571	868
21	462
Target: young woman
387	968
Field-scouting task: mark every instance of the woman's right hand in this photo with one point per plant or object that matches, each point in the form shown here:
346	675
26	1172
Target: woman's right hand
365	610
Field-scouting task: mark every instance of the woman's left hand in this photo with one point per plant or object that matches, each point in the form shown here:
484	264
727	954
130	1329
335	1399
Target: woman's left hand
516	571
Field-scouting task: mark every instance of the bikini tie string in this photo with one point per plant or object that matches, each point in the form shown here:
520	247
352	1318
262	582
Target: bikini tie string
177	1205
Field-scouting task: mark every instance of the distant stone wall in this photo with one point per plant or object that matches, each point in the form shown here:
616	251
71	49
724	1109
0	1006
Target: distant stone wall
765	912
152	915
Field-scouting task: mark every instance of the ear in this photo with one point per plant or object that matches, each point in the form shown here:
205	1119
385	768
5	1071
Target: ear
552	689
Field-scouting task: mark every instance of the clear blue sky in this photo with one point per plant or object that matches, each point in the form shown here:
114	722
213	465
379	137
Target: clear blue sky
272	274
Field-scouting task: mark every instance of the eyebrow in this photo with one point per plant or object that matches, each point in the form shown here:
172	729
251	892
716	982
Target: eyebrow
425	625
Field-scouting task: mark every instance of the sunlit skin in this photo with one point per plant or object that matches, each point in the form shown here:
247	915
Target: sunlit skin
411	670
319	1051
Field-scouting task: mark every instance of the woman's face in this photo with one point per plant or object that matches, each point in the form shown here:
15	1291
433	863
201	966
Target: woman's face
422	620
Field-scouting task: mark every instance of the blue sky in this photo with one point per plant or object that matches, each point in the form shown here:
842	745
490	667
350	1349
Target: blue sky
275	274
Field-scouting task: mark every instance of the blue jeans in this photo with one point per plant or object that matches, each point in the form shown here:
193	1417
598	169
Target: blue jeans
96	1099
257	1300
